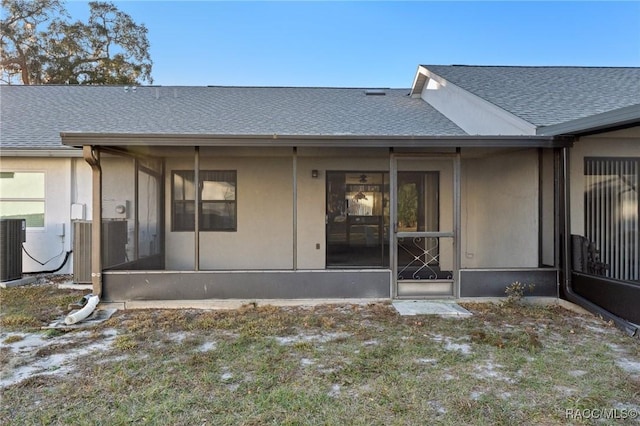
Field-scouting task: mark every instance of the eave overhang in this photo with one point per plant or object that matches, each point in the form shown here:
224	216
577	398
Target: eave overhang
63	152
607	121
419	81
79	139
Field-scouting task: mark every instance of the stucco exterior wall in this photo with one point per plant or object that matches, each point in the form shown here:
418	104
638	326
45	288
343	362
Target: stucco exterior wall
621	143
499	209
67	182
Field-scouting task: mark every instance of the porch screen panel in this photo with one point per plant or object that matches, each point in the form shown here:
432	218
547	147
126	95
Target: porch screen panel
183	205
217	207
148	214
218	198
357	219
612	214
419	211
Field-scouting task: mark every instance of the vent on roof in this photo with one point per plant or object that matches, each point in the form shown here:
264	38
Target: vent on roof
375	92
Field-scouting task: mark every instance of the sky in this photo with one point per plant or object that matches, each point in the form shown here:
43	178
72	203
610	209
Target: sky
372	44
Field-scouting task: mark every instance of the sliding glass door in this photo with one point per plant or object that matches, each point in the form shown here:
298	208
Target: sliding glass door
357	219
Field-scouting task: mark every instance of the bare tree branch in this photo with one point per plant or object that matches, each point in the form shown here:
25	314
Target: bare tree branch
39	44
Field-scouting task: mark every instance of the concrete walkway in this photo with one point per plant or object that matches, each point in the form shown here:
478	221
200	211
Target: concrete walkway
430	307
18	282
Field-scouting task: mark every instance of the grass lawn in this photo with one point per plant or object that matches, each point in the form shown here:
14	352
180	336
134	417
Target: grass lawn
337	364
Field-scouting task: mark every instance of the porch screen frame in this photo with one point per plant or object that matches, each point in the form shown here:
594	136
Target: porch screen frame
383	225
454	233
142	166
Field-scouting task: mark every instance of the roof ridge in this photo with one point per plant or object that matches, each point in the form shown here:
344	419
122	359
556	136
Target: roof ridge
529	66
201	86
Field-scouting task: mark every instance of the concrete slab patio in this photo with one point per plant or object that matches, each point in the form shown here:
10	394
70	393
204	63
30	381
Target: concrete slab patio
17	282
429	307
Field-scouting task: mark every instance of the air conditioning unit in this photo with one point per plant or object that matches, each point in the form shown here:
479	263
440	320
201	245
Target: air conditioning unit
114	247
82	252
12	235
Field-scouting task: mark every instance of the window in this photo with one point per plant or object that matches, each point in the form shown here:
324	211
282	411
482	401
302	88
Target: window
22	197
612	214
217	209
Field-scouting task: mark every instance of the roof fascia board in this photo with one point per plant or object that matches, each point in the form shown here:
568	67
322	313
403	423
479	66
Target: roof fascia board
53	153
472	113
319	141
418	82
595	123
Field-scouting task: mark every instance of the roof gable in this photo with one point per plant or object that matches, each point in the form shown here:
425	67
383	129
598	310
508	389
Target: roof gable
547	96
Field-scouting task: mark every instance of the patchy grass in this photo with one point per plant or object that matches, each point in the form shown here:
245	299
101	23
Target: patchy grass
13	338
34	306
343	364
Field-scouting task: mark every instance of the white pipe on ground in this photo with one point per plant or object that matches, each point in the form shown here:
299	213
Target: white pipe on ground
86	310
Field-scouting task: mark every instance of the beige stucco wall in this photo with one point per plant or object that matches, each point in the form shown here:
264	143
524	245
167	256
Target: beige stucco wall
621	143
499	208
67	181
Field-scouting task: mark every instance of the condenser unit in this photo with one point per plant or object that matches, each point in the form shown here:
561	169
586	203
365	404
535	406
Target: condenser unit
12	235
82	252
114	247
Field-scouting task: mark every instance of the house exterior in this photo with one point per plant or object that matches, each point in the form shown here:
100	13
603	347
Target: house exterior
471	179
596	205
43	182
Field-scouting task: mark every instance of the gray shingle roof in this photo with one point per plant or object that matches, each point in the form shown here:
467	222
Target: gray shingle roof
546	96
34	116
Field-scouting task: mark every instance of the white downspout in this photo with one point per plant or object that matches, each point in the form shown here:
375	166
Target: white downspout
86	310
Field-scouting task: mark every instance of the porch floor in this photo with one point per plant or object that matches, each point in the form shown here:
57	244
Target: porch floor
429	307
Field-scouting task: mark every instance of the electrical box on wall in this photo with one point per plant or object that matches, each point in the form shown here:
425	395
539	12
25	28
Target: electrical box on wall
115	209
77	211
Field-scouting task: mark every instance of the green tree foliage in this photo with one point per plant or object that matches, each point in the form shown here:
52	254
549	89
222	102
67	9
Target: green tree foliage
407	206
39	45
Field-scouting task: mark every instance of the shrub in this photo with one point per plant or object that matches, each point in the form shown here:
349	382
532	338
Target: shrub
516	290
